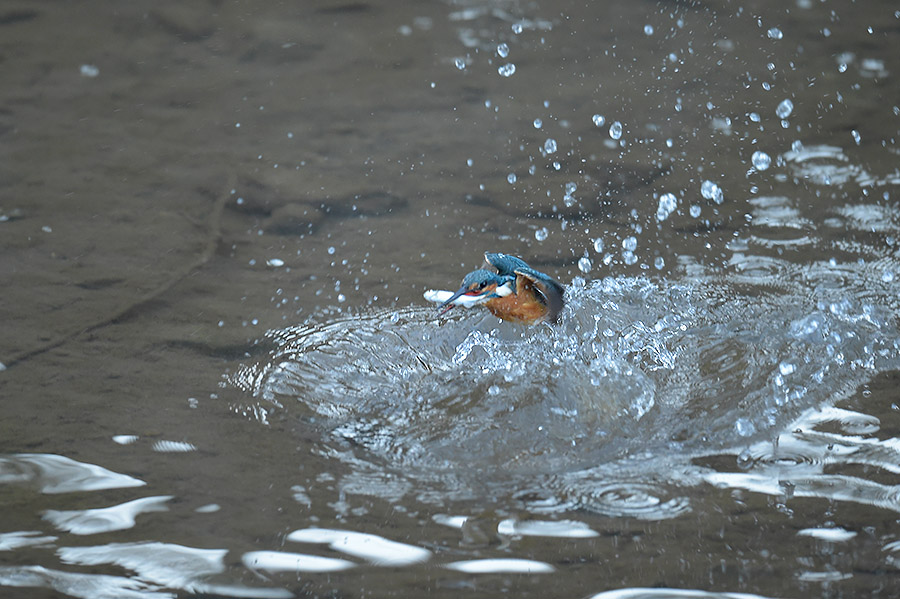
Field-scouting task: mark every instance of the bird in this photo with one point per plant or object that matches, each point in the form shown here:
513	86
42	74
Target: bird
511	290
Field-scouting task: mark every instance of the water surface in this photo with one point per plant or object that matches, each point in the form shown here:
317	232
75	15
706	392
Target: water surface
221	378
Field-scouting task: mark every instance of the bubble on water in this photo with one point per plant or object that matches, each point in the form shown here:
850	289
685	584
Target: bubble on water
775	33
887	276
667	204
695	211
493	390
507	70
599	120
598	245
711	191
615	130
511	178
630	243
275	262
331	249
856	136
761	160
550	146
89	70
460	63
571	186
503	50
659	262
784	109
517	28
538	123
584	264
786	368
541	234
629	258
754	116
648	29
744	427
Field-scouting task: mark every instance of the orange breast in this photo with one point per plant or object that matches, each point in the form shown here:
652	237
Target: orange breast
524	308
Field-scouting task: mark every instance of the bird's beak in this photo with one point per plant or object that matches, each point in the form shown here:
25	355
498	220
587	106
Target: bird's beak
445	307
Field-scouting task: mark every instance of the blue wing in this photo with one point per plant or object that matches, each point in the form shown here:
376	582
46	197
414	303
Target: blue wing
504	264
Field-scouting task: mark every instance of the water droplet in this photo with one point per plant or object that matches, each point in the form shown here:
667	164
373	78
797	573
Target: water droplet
538	123
571	187
89	70
786	368
550	146
511	178
503	50
855	135
744	427
711	191
584	264
784	109
648	29
460	63
659	263
695	211
615	130
541	234
775	33
517	28
667	204
598	245
507	70
599	120
630	243
761	160
753	116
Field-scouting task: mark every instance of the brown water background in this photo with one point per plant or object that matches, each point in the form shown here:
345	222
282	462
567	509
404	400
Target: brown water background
178	178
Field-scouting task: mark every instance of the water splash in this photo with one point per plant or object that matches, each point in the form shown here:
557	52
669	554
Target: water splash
607	411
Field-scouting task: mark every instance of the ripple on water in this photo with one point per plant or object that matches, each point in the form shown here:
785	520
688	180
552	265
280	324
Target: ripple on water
663	593
59	474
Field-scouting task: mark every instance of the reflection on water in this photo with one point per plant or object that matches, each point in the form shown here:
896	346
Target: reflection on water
670	594
59	474
117	517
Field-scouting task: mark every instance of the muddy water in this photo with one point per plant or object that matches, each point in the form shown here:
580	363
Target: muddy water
217	222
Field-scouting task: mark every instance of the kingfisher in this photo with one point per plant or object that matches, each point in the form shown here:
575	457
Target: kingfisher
509	288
